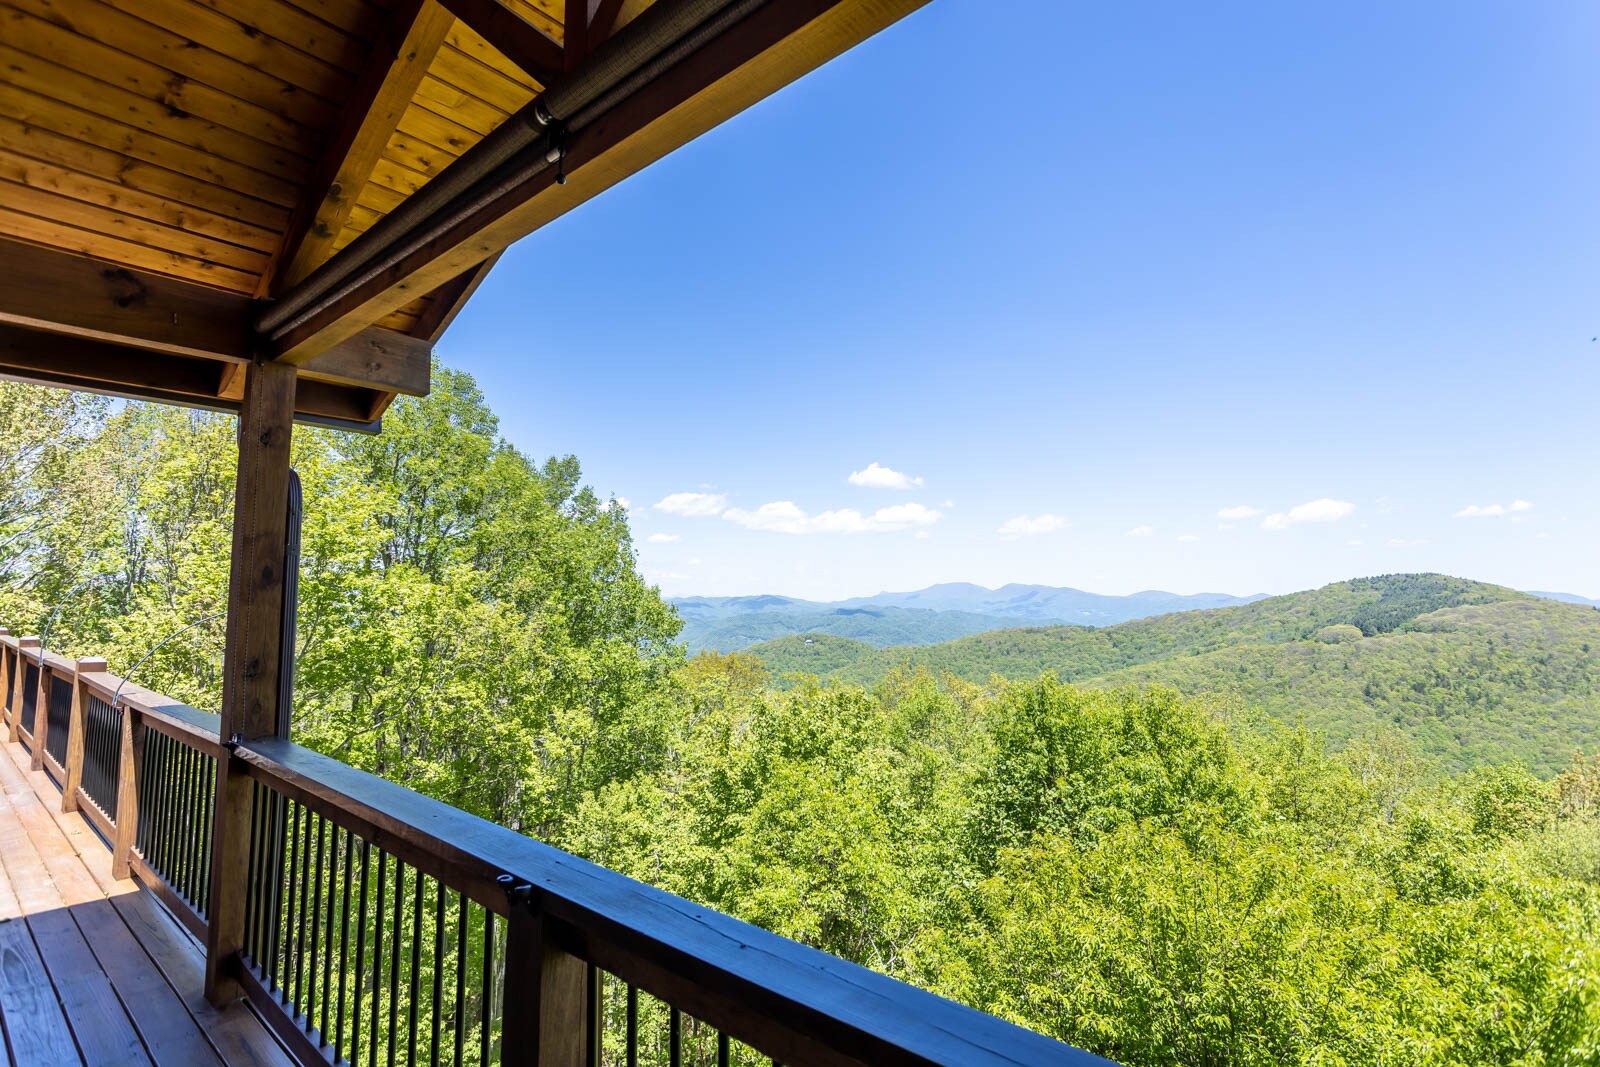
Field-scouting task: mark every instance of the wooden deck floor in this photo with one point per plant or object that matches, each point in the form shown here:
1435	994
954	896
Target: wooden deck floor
95	970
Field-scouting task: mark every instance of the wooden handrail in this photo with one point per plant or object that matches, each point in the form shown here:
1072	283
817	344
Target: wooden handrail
789	1000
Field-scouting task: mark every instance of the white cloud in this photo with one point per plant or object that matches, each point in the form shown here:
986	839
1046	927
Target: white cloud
1494	511
1028	525
784	516
695	562
616	502
1402	542
692	503
1323	509
1186	539
1354	542
1243	511
922	535
879	477
1142	531
663	539
1542	536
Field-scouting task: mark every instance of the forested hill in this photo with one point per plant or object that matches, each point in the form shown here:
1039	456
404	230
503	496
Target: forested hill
1475	673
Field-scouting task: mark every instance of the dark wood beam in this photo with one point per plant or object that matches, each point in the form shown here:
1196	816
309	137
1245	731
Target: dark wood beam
601	21
98	366
86	298
574	33
768	49
251	654
445	302
116	330
376	358
513	36
387	85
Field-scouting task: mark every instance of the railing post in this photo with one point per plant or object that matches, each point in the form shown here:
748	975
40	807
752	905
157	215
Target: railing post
20	676
546	993
77	729
41	714
251	652
5	678
130	759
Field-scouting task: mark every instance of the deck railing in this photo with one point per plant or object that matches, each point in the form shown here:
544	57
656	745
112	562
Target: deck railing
383	927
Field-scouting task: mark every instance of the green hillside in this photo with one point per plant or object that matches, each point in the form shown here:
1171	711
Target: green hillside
1475	673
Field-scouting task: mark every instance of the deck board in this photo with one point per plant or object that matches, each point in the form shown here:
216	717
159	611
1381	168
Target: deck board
93	969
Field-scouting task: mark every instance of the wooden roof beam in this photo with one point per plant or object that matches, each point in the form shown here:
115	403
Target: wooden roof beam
513	36
96	366
388	83
768	49
142	316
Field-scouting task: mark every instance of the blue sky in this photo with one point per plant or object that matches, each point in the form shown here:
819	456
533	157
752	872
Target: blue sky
1116	288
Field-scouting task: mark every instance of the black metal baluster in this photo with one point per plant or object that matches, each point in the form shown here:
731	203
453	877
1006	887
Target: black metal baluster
675	1037
277	873
438	970
459	1020
488	985
252	899
325	923
632	1051
394	956
318	845
723	1051
291	926
418	893
210	810
377	960
361	958
344	941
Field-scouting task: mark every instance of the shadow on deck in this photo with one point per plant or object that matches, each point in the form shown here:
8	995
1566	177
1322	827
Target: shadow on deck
93	969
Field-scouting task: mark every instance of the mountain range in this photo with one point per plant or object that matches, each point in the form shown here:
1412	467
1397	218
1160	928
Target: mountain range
938	613
1473	673
923	617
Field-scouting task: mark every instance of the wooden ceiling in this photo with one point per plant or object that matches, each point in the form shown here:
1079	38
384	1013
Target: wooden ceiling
167	166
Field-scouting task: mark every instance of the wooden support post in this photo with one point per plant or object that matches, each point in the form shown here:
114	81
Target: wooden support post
41	714
125	828
6	656
77	728
20	679
251	652
546	996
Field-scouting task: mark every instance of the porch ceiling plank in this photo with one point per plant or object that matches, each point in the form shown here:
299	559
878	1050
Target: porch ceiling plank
130	200
781	41
72	104
26	227
177	53
525	44
29	26
214	26
391	77
113	221
44	129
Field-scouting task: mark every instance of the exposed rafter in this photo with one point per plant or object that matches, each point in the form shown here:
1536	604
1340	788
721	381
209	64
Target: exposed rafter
514	36
393	72
602	20
447	300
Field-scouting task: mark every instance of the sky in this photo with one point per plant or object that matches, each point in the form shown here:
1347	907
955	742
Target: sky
1237	297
